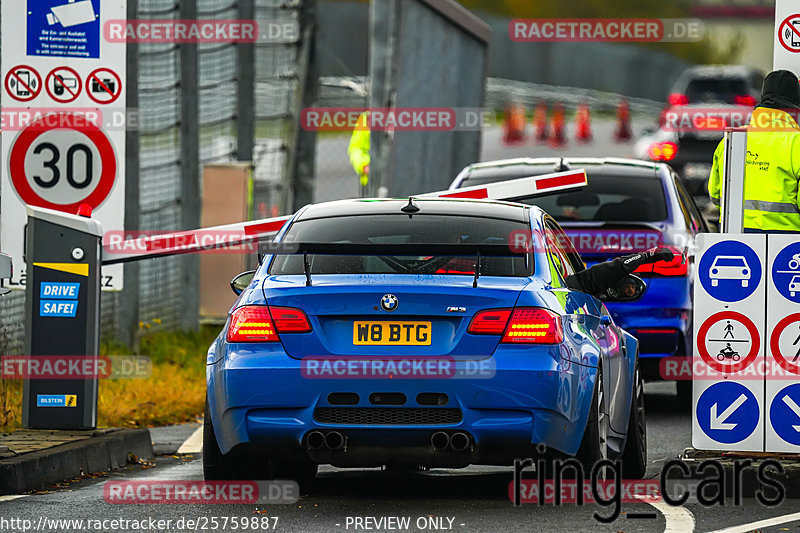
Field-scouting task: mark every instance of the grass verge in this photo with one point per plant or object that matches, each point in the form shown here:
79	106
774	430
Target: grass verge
173	394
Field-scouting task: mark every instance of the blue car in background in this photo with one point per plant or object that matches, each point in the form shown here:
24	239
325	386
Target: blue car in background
628	205
508	362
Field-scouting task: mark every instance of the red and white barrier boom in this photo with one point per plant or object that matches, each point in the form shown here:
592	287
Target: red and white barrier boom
119	247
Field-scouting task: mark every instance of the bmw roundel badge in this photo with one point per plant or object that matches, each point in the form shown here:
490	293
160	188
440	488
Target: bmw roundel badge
389	302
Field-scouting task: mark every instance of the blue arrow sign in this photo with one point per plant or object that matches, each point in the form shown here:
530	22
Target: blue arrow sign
728	412
784	414
730	271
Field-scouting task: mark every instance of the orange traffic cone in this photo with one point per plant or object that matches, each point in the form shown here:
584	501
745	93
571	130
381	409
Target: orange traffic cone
559	137
540	127
583	124
514	124
623	131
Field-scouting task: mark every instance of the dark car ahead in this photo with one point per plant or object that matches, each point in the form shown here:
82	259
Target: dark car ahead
627	205
704	100
717	84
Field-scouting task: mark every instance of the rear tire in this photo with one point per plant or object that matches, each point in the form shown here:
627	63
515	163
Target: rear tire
634	457
684	387
594	446
234	465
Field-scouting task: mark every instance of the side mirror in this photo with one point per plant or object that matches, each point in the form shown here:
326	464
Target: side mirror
630	289
242	281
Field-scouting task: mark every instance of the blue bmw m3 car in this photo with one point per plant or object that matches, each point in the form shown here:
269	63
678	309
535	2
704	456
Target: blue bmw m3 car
417	333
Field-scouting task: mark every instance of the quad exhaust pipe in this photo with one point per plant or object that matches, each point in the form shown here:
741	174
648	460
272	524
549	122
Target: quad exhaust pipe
315	440
458	441
332	440
440	441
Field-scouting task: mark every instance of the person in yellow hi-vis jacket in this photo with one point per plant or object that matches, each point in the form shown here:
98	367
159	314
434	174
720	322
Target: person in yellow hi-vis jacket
772	167
359	150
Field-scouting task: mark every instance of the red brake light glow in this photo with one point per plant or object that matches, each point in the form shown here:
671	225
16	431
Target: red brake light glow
489	322
677	99
665	151
745	99
534	325
290	320
251	323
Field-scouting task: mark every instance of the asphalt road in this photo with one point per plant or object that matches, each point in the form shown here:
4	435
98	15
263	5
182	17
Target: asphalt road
475	499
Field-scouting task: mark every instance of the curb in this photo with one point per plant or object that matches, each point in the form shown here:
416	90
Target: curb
741	480
38	469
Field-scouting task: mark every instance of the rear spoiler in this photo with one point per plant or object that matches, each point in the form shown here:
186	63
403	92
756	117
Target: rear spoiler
422	249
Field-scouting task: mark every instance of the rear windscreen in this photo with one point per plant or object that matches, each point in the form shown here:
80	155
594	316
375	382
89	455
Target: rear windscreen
608	199
715	90
402	229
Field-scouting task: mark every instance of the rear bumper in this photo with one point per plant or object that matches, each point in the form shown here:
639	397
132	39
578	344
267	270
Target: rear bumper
260	398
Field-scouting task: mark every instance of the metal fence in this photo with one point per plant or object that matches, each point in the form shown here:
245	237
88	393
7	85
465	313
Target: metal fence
223	83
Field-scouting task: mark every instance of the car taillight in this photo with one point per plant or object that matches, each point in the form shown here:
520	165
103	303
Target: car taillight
489	322
251	323
744	99
290	320
665	151
534	325
676	267
677	99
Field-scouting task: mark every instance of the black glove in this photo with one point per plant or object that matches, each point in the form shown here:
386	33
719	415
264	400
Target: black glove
653	255
602	276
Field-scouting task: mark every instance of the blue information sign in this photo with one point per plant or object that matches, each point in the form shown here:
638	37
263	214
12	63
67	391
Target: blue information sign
64	28
730	271
784	414
727	412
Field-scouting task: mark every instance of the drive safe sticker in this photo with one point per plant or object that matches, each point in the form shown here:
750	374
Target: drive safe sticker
58	308
57	400
59	291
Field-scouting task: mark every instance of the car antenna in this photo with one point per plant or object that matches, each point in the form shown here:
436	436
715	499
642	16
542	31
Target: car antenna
410	208
307	269
477	270
561	166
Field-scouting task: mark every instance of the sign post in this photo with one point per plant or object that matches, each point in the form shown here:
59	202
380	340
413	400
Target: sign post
729	319
64	127
62	319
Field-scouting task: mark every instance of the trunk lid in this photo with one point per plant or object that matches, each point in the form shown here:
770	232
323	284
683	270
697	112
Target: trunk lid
344	308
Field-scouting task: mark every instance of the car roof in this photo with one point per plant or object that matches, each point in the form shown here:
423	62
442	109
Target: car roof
717	71
506	169
428	206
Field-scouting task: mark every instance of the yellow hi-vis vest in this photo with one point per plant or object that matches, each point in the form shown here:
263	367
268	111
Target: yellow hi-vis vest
771	173
358	150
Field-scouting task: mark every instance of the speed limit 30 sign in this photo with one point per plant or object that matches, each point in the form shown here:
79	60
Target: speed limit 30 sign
62	168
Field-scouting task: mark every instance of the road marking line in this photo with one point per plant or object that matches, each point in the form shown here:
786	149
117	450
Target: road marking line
744	528
679	519
194	444
12	497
